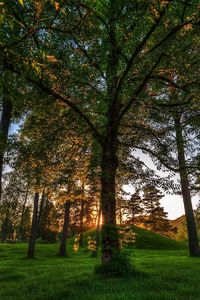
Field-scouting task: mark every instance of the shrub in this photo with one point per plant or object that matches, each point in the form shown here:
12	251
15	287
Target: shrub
119	265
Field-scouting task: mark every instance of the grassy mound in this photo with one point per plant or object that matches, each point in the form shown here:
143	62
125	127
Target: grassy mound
145	239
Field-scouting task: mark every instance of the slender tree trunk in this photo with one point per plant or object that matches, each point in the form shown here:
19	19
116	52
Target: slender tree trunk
81	223
120	213
133	217
98	227
42	201
22	215
110	242
4	128
63	243
31	248
191	226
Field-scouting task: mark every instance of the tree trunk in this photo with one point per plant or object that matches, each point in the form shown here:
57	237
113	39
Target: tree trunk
4	128
110	242
42	201
81	223
109	145
22	215
120	213
191	226
63	243
31	248
98	228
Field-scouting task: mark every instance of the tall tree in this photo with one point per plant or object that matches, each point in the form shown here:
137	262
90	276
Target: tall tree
156	217
135	209
115	49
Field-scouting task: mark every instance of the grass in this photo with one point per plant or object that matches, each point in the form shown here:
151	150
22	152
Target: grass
148	240
163	274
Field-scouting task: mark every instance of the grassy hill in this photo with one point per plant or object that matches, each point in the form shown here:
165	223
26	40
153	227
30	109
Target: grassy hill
178	221
148	240
180	224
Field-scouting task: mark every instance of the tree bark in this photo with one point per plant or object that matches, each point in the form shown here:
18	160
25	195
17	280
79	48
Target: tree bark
63	243
190	220
31	248
4	128
110	242
81	222
98	227
109	146
42	201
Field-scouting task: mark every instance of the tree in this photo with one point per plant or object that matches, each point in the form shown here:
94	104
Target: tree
48	220
25	225
135	209
114	52
63	243
156	216
7	229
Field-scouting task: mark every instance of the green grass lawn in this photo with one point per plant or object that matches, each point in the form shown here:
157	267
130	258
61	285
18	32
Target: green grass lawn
164	275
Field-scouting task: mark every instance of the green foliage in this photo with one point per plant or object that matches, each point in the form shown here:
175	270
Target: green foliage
25	226
7	229
49	236
156	219
119	265
49	222
92	247
127	236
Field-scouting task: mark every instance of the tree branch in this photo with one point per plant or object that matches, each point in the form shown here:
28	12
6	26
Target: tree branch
64	99
94	64
176	170
140	88
171	33
141	46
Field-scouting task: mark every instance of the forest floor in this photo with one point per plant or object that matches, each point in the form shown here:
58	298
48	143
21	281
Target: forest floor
163	275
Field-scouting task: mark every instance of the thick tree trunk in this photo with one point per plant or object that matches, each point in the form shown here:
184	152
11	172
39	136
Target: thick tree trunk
4	128
191	226
31	248
109	161
110	242
63	243
22	215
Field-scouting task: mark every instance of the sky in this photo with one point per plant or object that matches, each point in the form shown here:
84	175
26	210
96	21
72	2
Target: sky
173	204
